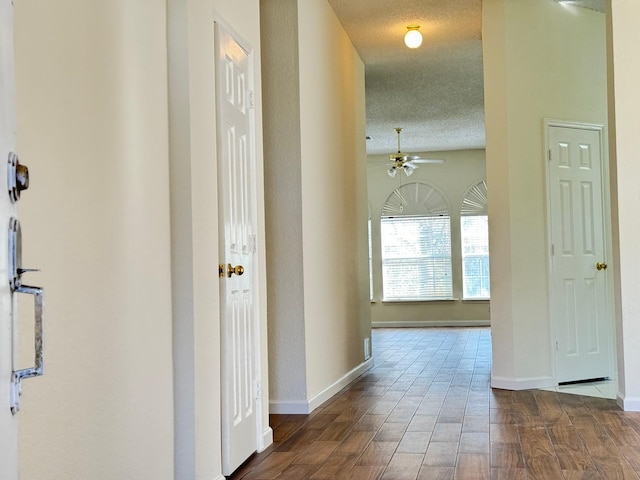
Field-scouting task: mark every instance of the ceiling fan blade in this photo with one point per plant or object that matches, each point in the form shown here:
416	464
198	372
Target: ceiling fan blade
428	160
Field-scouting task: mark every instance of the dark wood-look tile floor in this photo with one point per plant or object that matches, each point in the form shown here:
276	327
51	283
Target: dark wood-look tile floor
426	411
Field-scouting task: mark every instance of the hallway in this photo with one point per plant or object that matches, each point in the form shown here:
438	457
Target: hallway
426	411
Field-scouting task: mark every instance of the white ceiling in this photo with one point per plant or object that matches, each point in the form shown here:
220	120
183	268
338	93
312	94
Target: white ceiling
435	92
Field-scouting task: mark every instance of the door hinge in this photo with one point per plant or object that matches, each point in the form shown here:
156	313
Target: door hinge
553	250
557	346
258	392
251	97
549	155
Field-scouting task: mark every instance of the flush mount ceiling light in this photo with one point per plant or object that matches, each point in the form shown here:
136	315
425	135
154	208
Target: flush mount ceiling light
413	37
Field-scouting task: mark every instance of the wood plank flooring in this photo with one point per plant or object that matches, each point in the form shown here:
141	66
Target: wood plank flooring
426	411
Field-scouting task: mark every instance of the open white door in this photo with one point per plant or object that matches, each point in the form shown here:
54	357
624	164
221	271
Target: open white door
8	422
581	313
236	160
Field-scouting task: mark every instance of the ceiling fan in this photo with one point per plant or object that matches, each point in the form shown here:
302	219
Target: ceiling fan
405	162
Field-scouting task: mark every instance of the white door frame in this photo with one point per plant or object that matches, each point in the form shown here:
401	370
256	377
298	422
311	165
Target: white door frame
258	404
606	221
8	422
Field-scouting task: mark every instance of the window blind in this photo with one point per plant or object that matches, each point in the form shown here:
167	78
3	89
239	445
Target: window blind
474	236
416	258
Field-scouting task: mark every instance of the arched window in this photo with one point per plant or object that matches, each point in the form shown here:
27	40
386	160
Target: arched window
474	238
415	235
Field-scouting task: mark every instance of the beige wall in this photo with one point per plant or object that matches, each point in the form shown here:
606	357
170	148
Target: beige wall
542	59
280	60
334	203
316	204
624	97
92	123
461	170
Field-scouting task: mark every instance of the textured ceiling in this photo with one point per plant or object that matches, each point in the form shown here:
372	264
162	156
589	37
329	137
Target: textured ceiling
435	92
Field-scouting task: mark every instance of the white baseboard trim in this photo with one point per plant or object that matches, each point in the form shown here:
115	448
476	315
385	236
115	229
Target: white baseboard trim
267	438
220	477
522	383
303	408
628	404
342	382
433	323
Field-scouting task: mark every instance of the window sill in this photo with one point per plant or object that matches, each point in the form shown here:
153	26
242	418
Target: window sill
420	300
475	300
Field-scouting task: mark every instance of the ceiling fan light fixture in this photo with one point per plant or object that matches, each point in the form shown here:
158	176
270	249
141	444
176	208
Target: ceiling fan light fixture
413	37
408	169
392	172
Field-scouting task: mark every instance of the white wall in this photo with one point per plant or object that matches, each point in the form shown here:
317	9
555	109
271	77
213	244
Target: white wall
316	202
542	59
461	170
92	127
624	71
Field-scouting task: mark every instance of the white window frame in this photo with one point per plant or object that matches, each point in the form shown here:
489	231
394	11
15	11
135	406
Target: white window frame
415	202
474	204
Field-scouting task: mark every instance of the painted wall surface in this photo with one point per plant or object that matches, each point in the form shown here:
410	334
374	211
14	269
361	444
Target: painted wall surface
461	170
624	73
334	201
92	123
287	374
542	59
315	200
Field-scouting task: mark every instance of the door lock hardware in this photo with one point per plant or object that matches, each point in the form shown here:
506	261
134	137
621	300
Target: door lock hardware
17	177
38	368
229	270
15	256
601	265
15	283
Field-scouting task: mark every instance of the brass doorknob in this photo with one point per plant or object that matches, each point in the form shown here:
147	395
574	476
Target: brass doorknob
228	270
601	265
238	270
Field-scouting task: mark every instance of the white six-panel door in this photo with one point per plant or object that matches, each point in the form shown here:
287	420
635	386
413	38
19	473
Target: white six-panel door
8	425
237	251
580	310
